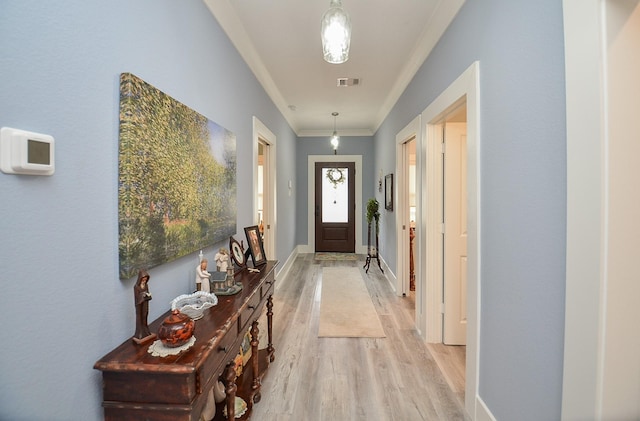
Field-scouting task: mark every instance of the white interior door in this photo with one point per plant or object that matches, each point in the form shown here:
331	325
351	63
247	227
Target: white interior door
455	234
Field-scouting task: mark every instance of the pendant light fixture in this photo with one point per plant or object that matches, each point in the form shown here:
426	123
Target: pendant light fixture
336	33
335	139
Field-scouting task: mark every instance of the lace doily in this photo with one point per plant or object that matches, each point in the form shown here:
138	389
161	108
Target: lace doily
158	349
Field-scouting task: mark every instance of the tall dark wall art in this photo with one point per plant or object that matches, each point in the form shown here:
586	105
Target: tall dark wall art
177	178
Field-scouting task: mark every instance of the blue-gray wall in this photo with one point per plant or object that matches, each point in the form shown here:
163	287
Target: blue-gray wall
349	145
63	305
519	45
61	295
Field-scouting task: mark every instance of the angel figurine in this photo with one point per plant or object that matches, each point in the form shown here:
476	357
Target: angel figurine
222	260
202	276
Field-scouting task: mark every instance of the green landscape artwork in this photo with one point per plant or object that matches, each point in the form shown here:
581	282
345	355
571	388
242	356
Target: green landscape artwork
177	179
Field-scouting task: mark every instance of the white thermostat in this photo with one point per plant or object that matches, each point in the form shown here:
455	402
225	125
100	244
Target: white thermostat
23	152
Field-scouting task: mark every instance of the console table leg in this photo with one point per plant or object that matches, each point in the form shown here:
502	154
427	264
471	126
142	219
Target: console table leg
270	349
254	361
229	376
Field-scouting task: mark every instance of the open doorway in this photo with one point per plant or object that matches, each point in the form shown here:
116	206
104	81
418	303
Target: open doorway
450	352
265	186
464	91
407	217
409	225
407	220
263	194
410	147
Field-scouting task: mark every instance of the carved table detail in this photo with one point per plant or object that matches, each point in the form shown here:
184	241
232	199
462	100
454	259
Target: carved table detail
139	386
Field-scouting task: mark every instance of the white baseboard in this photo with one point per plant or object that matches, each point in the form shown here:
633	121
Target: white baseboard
306	248
391	277
482	412
284	269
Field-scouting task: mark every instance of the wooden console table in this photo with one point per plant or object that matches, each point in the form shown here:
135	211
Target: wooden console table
139	386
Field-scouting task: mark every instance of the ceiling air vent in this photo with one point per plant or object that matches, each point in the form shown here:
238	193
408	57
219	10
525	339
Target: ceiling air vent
348	81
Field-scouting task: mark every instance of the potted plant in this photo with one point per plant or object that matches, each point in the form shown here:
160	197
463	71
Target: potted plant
372	252
373	213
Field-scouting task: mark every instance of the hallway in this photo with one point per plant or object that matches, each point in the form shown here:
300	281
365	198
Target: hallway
338	379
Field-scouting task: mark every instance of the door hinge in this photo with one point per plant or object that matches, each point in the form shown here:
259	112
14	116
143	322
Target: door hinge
442	148
441	308
442	228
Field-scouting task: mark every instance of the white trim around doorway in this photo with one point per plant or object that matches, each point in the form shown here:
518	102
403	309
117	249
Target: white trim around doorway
261	132
411	131
466	86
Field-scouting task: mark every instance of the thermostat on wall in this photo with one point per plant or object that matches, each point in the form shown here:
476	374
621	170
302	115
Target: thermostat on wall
23	152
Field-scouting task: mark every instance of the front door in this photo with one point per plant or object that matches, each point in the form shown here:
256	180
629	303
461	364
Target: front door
335	207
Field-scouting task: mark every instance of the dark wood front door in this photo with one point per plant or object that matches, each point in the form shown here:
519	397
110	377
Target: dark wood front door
335	206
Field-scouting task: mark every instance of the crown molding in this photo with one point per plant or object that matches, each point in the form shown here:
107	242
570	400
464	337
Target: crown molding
233	27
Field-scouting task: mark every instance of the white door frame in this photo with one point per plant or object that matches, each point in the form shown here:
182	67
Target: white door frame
311	189
584	77
261	132
465	87
411	131
590	337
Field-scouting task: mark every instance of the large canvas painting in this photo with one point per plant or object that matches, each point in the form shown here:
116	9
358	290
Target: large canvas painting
177	178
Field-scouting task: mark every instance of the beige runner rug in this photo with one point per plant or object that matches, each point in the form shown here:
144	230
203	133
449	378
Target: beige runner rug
324	255
346	309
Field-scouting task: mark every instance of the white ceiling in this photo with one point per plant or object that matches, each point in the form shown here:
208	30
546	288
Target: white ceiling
280	41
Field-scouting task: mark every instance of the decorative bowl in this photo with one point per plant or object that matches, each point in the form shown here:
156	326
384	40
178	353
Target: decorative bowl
176	329
240	407
193	305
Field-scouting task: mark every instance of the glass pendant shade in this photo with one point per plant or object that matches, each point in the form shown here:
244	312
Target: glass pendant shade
335	140
336	34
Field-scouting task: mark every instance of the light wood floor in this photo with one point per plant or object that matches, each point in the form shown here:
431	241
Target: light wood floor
340	379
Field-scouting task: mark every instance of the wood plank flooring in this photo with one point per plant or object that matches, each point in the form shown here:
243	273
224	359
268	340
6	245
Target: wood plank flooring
338	379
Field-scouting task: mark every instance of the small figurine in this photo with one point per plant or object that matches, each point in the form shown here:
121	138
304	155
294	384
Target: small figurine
222	260
142	296
202	276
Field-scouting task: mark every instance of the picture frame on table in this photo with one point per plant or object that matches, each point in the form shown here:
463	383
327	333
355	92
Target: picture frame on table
237	253
256	248
388	192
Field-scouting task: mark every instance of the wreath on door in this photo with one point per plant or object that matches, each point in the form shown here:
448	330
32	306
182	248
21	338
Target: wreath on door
335	176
